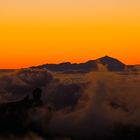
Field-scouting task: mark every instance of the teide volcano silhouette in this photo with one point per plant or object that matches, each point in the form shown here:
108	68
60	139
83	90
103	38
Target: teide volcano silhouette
111	63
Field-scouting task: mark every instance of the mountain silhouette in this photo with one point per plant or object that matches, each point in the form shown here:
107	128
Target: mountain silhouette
112	64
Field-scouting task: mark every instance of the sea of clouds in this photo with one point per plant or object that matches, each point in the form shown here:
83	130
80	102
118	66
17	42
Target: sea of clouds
91	109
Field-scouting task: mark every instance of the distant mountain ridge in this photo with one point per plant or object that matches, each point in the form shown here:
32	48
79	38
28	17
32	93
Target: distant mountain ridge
111	63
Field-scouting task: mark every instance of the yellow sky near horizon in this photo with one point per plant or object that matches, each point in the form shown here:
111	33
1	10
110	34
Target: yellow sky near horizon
35	32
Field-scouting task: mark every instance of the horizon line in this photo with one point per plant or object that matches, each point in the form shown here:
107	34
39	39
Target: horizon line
66	62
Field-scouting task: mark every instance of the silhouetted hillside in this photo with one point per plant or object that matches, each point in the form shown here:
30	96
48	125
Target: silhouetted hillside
111	63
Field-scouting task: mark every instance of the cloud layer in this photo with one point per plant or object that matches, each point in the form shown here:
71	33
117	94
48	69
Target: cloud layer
87	109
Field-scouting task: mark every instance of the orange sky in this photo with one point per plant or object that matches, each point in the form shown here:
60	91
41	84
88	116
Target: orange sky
34	32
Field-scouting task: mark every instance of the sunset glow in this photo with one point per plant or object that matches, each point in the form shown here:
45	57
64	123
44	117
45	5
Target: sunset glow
34	32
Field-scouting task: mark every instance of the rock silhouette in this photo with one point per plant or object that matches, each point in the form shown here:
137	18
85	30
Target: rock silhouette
14	114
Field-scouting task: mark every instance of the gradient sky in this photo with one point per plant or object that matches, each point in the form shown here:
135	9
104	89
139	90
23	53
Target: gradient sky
35	32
